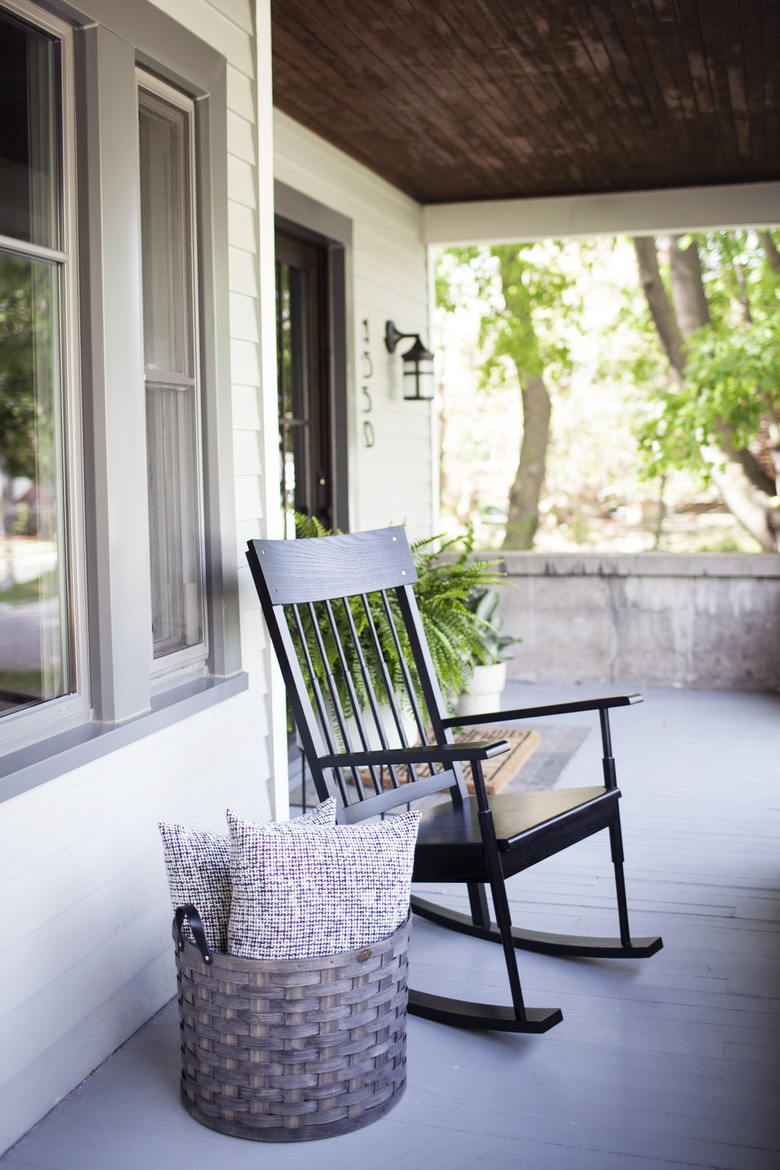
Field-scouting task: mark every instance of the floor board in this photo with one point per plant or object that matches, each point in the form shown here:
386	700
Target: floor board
669	1062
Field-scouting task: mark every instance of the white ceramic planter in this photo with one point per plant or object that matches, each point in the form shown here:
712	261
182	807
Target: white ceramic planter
485	689
390	729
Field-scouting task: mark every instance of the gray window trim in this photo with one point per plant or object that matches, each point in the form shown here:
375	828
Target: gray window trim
112	372
54	756
112	37
303	211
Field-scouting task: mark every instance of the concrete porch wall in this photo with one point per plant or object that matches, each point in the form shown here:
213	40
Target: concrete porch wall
693	620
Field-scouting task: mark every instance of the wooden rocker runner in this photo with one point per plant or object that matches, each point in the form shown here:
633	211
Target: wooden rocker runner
342	615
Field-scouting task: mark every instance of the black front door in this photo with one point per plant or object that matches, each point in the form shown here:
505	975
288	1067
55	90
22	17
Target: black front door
306	407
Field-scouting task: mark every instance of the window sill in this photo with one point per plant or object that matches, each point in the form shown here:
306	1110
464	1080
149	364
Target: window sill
57	754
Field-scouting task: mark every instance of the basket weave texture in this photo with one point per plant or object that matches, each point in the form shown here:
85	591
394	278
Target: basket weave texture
291	1050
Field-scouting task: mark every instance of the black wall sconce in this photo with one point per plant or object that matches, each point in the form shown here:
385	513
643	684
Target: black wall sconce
418	364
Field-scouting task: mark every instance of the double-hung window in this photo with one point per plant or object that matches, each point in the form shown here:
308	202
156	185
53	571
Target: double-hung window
38	658
118	568
172	383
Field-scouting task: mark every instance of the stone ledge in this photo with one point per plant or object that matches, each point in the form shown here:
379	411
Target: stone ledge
707	620
649	564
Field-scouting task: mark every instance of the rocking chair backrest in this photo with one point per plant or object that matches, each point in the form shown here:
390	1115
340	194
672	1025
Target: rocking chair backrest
344	623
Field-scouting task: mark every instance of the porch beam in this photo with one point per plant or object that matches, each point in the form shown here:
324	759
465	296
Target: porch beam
627	213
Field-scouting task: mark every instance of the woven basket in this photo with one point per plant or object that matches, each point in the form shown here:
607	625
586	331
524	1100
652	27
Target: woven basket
291	1050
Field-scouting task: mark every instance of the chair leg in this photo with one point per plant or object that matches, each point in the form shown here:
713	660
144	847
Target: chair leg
504	921
480	912
501	902
494	1017
616	847
466	1014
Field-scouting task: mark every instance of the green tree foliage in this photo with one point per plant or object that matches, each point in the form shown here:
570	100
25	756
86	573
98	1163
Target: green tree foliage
19	411
718	409
528	294
446	581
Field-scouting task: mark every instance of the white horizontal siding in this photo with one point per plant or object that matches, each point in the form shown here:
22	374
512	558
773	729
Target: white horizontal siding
86	922
243	271
226	25
388	282
240	93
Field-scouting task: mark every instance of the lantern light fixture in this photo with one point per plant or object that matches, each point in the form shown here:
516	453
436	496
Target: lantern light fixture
418	364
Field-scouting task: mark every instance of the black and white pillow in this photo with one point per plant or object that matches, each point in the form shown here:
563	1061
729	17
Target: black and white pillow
298	896
198	866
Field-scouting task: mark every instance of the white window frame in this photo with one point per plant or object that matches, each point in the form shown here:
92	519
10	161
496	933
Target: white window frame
26	726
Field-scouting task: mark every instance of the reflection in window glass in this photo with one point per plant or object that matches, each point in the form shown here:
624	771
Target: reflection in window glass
292	336
29	143
174	533
33	656
166	236
34	662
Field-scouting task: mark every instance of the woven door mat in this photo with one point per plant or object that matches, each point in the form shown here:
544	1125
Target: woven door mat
501	769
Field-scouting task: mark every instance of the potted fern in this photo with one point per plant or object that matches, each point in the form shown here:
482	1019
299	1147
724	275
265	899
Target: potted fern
448	581
489	668
457	625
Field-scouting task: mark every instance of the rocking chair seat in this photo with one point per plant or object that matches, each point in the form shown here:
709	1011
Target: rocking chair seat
529	826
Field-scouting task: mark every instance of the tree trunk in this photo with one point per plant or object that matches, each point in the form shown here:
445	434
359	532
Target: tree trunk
690	300
666	324
747	491
749	504
770	250
523	518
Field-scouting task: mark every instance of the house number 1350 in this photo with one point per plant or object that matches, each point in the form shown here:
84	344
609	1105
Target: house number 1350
367	374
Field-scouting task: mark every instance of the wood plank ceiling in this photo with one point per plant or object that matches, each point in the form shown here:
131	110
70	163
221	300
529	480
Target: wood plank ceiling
454	100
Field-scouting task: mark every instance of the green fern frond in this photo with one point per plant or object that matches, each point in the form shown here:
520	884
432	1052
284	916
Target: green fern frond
448	582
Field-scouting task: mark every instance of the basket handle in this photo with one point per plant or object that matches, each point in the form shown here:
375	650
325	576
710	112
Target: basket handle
196	926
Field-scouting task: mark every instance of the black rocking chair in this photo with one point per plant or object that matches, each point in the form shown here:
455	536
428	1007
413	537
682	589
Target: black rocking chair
342	614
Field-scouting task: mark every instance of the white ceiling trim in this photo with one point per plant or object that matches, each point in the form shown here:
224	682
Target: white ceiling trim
629	213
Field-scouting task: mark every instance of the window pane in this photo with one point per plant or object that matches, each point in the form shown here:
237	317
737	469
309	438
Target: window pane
165	234
172	412
33	642
294	326
29	143
174	510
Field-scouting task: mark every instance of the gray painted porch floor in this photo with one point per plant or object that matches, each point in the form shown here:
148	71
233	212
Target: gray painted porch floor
672	1061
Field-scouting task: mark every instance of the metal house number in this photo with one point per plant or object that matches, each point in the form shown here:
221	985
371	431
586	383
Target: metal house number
367	375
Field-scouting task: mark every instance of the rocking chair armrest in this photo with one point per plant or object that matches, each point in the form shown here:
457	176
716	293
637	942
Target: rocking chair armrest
548	709
446	753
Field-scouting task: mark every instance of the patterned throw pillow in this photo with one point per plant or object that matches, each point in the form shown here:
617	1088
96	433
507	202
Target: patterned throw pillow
299	896
198	866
